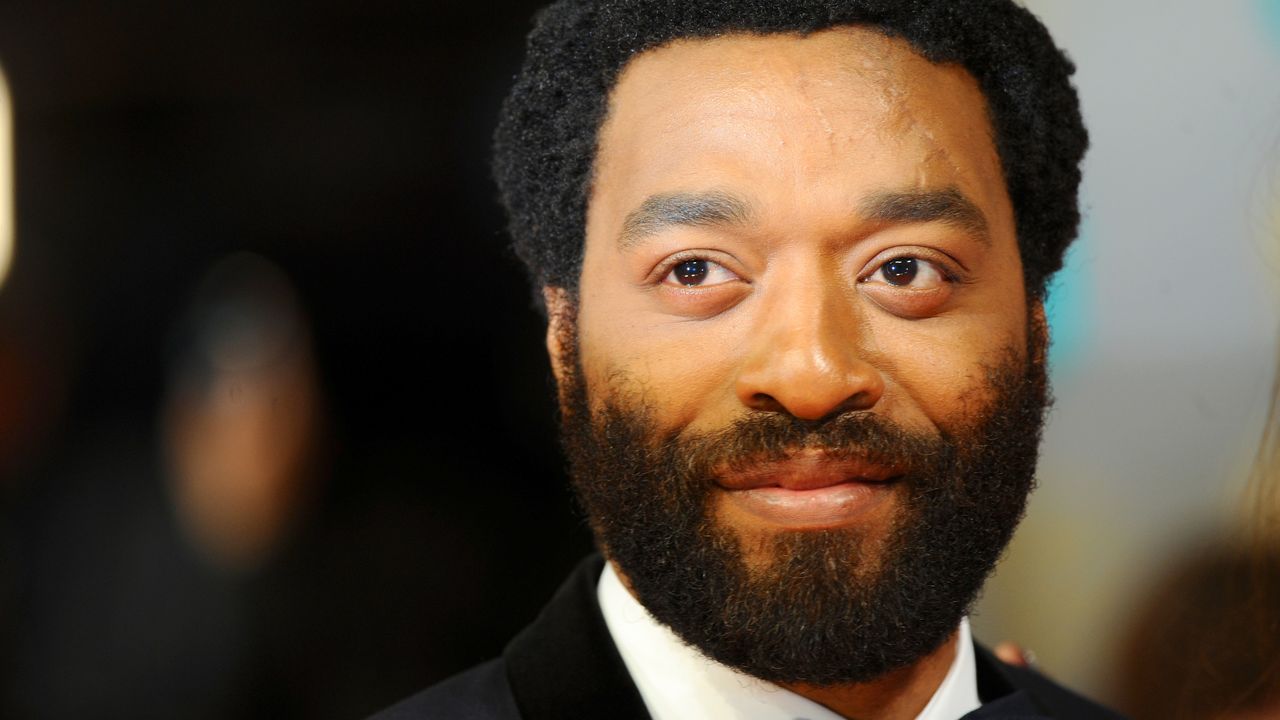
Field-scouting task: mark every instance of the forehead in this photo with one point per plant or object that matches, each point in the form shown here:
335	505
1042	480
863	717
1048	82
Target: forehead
847	102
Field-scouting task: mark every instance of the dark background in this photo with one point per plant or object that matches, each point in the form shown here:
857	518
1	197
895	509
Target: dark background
348	143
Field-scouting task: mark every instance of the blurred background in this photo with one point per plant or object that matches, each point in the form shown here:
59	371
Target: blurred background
275	434
1165	327
275	424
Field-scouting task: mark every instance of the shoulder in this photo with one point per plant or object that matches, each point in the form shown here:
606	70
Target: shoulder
481	693
562	665
1060	701
1009	691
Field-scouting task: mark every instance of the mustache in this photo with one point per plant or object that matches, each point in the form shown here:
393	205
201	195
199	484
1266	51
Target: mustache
764	437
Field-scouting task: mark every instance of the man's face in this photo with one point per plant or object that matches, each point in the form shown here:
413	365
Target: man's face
796	379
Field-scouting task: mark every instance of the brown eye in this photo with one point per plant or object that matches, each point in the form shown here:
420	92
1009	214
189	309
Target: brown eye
698	273
690	272
900	271
909	286
909	273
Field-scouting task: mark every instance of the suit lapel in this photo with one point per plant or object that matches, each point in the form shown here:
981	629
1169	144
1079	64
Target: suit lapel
1000	696
566	665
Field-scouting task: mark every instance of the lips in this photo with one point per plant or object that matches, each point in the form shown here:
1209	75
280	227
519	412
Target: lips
807	470
809	490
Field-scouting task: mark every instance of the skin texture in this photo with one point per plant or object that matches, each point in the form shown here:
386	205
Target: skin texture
797	167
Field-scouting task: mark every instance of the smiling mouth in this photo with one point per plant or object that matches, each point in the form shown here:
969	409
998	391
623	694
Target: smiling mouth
809	490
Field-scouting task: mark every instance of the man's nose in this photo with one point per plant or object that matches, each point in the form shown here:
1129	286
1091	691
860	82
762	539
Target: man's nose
807	358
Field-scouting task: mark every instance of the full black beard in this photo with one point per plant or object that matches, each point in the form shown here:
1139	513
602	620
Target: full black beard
831	606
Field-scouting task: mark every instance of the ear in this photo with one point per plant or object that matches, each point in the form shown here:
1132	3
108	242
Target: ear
559	313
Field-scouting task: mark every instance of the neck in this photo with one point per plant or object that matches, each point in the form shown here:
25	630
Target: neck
899	695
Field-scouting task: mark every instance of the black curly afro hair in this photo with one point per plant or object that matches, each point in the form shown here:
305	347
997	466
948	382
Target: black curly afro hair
545	143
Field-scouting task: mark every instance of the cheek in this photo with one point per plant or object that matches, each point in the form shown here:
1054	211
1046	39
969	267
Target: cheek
938	379
938	368
681	371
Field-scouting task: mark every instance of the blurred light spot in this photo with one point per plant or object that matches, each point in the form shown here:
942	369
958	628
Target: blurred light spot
1069	306
6	180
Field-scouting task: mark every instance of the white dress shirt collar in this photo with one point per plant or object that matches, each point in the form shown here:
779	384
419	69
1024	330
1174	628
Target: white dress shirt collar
677	682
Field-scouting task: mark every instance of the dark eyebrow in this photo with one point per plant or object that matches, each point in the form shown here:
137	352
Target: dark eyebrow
701	209
948	206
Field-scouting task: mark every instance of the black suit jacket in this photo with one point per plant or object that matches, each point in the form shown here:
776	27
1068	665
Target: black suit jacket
565	665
